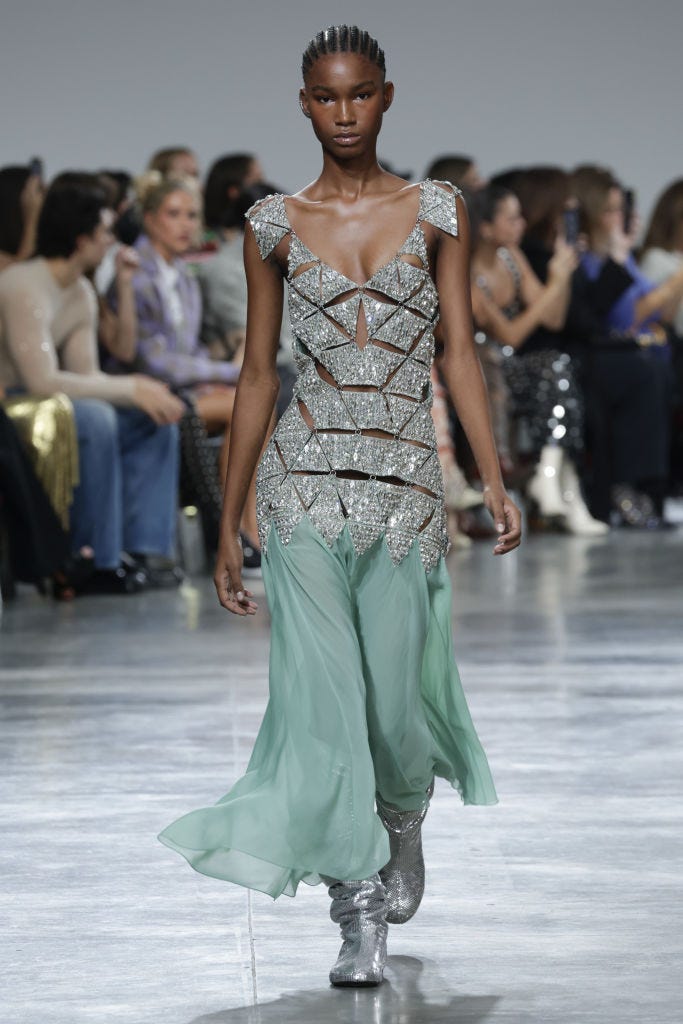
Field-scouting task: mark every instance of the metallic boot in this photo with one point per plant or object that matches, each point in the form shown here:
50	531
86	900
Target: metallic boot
404	875
358	907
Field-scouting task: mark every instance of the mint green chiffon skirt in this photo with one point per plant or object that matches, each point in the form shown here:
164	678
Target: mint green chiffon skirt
365	699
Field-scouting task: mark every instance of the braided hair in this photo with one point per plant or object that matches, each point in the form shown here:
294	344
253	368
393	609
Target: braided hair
343	39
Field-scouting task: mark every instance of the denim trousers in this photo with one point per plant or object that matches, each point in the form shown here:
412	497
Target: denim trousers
127	496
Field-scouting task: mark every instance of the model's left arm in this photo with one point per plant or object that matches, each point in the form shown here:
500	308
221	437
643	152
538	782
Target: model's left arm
464	378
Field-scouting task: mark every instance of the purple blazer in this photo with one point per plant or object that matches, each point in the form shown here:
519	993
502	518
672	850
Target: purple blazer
171	353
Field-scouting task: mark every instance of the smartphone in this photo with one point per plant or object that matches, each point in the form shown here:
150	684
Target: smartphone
629	209
36	167
571	225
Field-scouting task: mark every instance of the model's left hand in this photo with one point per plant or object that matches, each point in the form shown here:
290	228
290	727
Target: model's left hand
507	519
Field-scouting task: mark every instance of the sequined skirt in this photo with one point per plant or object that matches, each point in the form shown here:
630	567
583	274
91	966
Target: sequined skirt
364	698
546	396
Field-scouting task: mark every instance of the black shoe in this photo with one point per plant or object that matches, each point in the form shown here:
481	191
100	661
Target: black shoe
251	565
162	573
73	574
113	581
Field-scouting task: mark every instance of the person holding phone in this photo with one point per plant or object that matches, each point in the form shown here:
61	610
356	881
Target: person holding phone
512	305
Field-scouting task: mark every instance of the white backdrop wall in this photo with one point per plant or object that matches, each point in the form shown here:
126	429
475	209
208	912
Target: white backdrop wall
88	84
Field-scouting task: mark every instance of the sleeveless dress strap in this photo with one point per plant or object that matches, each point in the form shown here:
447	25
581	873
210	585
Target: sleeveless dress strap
513	308
438	205
268	219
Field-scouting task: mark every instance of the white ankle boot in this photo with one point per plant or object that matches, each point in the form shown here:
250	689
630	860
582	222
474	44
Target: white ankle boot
544	487
578	519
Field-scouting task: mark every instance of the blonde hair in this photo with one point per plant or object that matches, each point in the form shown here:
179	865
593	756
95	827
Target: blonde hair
152	187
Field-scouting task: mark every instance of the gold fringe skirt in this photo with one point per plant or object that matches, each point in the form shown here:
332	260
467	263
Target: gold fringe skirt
48	429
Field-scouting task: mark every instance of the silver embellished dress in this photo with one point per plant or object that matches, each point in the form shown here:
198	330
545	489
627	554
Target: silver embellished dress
336	472
365	701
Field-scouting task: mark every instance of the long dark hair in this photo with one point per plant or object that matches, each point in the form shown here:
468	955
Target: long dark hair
229	171
543	192
12	183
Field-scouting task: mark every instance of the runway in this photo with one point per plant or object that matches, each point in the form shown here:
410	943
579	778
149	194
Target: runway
561	904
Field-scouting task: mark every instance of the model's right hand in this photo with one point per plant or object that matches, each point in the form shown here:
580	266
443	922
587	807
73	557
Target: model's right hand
227	578
156	400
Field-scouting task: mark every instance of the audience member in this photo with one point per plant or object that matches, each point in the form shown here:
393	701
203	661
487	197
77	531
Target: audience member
126	227
21	196
510	303
168	307
460	170
228	192
38	546
175	162
126	498
234	183
630	369
662	249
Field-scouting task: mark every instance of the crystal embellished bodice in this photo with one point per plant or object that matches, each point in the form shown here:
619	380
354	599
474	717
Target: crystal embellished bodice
369	460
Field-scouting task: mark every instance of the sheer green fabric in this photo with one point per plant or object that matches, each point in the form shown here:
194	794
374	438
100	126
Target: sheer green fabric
364	697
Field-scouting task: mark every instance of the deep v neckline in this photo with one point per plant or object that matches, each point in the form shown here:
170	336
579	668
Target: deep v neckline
338	273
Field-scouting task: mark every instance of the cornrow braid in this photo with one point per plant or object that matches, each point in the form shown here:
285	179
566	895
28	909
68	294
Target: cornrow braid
343	39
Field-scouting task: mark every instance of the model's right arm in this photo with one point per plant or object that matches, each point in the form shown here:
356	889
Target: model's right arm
254	402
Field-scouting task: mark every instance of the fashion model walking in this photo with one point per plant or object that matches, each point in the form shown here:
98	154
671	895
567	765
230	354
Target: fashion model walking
366	706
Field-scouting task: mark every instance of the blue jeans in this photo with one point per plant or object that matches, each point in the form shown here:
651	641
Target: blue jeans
127	496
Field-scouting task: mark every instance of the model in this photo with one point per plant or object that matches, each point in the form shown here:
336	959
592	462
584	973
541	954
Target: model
365	706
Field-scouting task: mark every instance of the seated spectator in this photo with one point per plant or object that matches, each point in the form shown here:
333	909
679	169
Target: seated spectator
126	227
38	546
662	249
459	170
168	306
127	443
21	196
117	332
233	185
510	303
228	193
630	362
661	260
175	162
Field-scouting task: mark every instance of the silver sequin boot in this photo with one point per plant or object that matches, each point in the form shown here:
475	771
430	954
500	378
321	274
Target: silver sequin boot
404	875
358	907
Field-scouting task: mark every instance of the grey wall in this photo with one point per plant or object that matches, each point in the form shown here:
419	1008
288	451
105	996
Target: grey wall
87	83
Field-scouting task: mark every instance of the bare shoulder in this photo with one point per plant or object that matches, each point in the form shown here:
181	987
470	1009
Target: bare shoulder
16	275
22	283
85	295
519	258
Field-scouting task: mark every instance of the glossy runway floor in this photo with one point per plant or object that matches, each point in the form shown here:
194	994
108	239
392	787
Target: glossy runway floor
562	904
